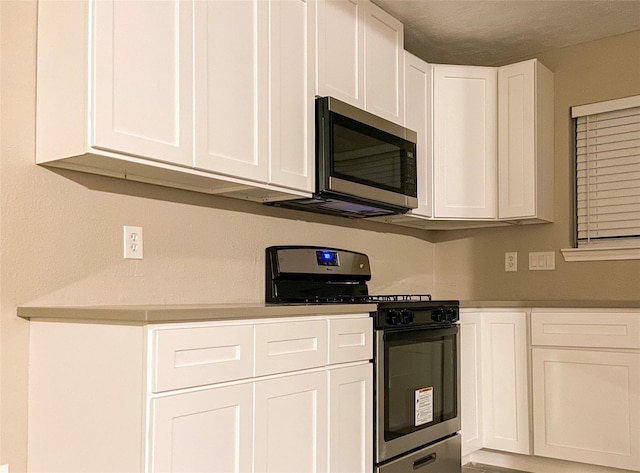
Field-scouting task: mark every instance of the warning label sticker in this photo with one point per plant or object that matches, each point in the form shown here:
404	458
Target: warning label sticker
424	406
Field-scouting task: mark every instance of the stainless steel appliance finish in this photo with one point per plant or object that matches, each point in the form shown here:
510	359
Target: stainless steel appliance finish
440	457
416	354
365	165
417	366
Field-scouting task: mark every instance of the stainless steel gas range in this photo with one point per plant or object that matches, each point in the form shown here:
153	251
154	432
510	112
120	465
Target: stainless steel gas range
416	356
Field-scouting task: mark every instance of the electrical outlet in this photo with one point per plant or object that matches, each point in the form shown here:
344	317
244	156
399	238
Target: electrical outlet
4	468
511	261
542	261
133	243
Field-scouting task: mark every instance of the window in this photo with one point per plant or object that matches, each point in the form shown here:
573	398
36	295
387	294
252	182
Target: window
607	180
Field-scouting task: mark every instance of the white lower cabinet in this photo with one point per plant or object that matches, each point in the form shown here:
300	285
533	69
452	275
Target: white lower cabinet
291	424
291	394
586	389
495	399
504	381
208	430
350	422
587	406
583	376
471	380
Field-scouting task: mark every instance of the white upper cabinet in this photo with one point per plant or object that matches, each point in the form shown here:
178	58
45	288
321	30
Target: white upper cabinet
360	57
231	88
485	144
254	90
340	71
525	146
384	69
110	80
292	51
465	142
143	79
211	96
417	117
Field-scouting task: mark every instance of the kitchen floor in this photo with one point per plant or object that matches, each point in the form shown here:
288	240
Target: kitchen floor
479	468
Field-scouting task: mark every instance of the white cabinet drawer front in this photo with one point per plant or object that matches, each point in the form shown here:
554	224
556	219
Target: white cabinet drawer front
586	329
290	346
201	355
350	340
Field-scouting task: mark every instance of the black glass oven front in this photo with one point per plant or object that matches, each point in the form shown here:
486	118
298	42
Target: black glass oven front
417	386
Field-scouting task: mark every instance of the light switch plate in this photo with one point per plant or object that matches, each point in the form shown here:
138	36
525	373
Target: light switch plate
542	261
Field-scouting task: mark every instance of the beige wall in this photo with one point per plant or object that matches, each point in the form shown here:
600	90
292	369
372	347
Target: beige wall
62	237
61	231
470	264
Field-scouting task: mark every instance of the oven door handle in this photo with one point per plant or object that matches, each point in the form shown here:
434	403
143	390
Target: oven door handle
422	462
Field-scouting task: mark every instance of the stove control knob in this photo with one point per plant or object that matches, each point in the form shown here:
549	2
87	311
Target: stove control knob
407	317
439	315
394	317
446	314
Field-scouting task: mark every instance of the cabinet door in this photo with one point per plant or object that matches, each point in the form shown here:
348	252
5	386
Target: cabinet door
465	141
231	88
340	71
202	431
384	64
516	147
292	53
471	380
417	117
586	406
291	424
351	419
504	381
525	148
143	102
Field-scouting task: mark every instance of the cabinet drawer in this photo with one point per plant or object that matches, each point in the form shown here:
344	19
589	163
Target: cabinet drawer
201	355
585	328
350	340
290	346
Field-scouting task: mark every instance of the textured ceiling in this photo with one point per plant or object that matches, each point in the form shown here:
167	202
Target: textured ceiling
496	32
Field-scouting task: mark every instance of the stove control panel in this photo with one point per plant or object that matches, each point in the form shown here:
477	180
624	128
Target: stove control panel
405	315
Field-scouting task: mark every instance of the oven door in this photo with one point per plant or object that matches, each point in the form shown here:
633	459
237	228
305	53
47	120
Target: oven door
417	388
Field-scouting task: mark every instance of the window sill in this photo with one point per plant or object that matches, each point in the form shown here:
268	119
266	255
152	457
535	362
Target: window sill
600	254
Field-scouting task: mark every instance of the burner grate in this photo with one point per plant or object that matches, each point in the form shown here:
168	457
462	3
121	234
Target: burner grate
363	299
400	298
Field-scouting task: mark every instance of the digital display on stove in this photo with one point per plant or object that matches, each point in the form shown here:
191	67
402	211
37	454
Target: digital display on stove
327	258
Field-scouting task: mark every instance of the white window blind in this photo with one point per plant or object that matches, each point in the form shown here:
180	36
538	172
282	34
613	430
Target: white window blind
608	172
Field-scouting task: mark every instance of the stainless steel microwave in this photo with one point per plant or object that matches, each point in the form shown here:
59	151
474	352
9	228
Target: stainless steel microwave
365	165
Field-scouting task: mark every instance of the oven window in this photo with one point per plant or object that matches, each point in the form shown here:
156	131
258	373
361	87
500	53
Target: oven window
372	157
420	380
